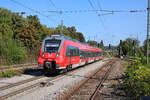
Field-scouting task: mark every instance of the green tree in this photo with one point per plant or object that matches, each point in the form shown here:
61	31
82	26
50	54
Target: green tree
130	47
101	45
17	23
80	37
92	42
10	51
29	37
5	16
21	36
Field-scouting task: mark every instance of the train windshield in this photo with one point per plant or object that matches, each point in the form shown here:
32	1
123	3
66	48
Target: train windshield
52	45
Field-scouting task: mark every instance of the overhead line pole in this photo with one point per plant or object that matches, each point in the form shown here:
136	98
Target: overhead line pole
61	24
60	12
61	28
61	21
148	12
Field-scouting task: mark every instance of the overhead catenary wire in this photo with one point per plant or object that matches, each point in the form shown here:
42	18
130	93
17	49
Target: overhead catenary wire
33	10
60	11
97	13
96	10
91	4
53	4
100	7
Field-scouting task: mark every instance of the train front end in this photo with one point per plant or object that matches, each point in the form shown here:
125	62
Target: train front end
49	58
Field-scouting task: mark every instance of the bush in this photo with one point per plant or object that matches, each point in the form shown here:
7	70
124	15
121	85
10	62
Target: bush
10	72
137	80
12	52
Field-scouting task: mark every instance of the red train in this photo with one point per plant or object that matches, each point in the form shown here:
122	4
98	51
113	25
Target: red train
59	53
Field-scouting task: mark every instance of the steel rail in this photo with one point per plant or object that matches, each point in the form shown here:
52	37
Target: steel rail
20	83
38	84
66	97
17	66
101	82
32	86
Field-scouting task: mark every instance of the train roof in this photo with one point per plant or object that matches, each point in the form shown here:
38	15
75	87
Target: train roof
62	37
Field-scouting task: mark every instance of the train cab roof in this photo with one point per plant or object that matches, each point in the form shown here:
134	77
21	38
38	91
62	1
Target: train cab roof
62	37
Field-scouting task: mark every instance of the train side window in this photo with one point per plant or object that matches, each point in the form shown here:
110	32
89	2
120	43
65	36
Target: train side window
71	52
78	52
68	51
82	55
86	54
83	52
75	51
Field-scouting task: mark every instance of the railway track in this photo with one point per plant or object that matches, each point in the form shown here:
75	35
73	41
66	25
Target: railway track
20	83
93	96
14	90
89	87
37	84
19	66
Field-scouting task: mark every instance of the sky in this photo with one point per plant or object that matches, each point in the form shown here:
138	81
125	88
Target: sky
111	28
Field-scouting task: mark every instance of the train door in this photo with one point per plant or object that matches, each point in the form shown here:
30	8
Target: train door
77	55
72	56
75	59
68	56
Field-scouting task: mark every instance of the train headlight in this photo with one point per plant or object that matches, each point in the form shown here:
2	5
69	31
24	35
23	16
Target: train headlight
43	54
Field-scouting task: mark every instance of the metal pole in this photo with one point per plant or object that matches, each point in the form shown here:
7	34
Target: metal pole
61	28
61	24
120	48
147	53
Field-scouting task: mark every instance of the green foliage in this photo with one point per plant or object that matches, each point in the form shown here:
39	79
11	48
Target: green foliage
130	47
105	54
9	73
92	42
5	16
29	37
137	79
101	45
70	32
12	51
21	37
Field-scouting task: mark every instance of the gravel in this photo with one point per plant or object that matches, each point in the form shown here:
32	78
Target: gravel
8	81
56	87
